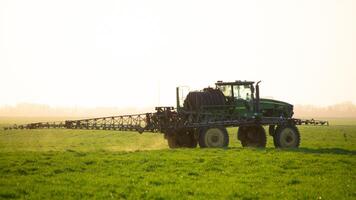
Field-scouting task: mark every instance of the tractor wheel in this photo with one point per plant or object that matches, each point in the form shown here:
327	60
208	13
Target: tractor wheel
185	138
271	130
172	141
286	137
215	137
252	136
181	138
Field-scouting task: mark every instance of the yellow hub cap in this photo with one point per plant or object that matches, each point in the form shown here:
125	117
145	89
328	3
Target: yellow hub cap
288	137
214	137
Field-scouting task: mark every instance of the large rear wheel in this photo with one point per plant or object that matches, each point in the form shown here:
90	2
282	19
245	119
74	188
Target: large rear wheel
252	136
286	137
215	137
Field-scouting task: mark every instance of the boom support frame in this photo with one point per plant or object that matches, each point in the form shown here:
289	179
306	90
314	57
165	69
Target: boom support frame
165	119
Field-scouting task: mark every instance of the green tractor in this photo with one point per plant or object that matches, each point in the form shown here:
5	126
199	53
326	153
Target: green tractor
207	113
202	118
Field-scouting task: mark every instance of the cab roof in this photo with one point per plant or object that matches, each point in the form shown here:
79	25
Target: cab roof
234	83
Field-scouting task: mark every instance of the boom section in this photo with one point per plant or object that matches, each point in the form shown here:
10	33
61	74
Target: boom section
166	119
138	122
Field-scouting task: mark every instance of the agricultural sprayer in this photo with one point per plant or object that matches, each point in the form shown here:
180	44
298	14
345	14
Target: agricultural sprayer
203	116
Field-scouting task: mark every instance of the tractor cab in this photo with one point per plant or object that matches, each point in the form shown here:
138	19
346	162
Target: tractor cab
238	90
239	94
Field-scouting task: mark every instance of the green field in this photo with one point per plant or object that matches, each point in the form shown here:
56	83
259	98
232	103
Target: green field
82	164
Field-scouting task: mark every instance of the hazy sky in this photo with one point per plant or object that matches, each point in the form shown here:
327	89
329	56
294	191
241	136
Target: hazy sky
134	53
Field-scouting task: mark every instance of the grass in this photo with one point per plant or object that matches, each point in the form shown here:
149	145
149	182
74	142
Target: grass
82	164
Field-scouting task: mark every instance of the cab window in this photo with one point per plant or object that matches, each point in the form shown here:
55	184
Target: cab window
226	90
242	92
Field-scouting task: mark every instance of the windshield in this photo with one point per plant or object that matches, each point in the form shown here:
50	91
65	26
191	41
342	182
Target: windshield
226	90
242	92
237	91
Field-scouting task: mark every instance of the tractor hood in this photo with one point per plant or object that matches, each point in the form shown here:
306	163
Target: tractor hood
275	108
272	101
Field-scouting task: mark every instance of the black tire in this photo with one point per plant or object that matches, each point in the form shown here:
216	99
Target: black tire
181	139
185	138
286	137
271	130
172	141
215	137
252	136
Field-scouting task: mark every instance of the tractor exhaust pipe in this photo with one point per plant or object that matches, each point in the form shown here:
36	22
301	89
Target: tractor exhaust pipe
257	106
177	96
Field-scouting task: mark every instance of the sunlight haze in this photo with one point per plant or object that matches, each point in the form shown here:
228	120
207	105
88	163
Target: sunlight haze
134	53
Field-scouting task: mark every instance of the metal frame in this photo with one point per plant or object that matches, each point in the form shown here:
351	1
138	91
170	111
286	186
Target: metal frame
168	119
164	120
